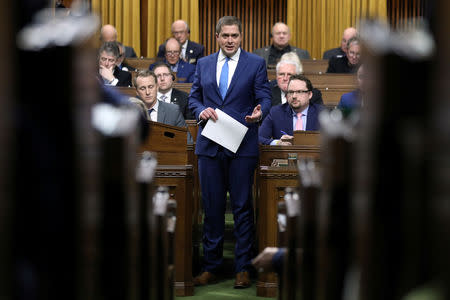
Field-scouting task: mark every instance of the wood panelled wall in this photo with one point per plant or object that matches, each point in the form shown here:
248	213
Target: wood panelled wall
405	13
257	17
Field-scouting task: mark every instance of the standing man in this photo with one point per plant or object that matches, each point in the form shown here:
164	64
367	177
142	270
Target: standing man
190	51
342	50
281	34
236	82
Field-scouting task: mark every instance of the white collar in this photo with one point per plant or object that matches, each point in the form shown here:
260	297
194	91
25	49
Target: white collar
235	57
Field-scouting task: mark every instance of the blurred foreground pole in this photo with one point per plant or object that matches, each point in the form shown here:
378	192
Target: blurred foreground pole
54	168
392	200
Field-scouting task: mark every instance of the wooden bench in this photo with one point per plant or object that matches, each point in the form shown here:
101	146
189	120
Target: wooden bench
141	63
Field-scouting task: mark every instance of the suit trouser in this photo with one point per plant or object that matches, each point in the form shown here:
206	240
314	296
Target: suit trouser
218	175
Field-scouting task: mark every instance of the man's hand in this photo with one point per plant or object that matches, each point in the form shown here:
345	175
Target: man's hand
256	115
106	73
263	262
208	113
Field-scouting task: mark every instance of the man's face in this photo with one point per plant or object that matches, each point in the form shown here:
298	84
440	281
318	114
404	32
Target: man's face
284	73
179	31
348	34
107	60
172	52
281	35
353	54
298	95
146	90
165	80
229	39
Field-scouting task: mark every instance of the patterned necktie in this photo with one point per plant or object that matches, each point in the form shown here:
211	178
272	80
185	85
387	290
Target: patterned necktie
223	81
299	124
163	98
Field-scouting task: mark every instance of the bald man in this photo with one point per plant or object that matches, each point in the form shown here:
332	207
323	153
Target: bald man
281	34
190	51
342	50
108	33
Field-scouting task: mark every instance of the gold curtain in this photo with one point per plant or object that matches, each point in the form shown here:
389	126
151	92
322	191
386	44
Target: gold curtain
162	13
125	15
317	25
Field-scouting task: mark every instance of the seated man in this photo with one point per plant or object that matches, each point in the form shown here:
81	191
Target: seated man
281	35
354	99
146	85
297	114
185	71
289	65
120	62
342	50
109	73
190	51
167	93
348	63
108	33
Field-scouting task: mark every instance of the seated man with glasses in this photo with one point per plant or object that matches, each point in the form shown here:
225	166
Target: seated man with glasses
348	63
185	71
296	114
166	91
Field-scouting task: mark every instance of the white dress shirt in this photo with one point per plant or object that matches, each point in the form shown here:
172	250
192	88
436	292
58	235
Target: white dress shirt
168	96
154	113
283	97
232	64
183	49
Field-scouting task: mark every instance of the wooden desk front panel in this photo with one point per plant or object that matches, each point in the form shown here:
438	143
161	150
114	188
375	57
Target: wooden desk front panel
179	180
268	153
273	181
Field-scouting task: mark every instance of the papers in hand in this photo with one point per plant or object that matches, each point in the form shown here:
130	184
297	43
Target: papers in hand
226	131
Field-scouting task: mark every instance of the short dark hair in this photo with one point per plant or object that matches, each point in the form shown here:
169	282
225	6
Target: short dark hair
228	21
303	78
159	64
143	73
109	47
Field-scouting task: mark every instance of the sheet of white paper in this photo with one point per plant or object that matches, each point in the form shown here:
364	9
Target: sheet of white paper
226	131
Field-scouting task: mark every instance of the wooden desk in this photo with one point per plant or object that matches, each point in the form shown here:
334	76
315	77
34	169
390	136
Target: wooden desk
273	181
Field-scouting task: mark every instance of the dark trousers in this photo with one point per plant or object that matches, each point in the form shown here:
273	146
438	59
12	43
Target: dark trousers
218	175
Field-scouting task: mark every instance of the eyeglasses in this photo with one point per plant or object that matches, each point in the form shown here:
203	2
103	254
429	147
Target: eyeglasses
172	53
300	92
165	75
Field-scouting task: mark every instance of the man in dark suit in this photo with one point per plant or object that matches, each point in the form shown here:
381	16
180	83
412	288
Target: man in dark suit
348	63
284	70
109	73
236	82
354	100
281	35
166	93
146	85
190	51
297	114
108	33
185	71
342	50
120	61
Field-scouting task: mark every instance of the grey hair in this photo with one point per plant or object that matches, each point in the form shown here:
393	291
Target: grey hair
298	68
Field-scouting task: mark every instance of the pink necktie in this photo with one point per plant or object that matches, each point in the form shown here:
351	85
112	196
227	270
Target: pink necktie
299	124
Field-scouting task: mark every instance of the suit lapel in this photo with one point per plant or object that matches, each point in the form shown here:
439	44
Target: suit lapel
242	64
161	113
212	75
287	122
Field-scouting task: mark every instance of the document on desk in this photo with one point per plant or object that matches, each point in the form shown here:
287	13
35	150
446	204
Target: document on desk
226	131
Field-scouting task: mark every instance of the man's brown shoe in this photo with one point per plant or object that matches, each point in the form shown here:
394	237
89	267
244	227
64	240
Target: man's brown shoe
242	280
205	278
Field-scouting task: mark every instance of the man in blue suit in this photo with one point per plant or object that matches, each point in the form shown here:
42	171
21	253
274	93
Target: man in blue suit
296	114
353	100
234	81
185	71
